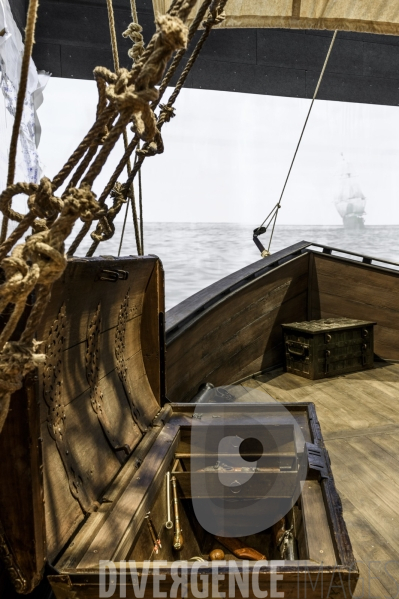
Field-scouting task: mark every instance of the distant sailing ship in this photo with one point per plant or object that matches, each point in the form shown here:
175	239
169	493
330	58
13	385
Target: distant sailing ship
350	201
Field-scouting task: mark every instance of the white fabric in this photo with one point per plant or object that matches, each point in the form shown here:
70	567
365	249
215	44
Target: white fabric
373	16
28	166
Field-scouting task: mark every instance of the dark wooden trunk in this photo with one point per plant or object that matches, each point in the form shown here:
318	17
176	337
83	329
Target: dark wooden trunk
328	347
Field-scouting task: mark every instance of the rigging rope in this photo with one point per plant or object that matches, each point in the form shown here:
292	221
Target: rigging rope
115	54
134	33
216	15
29	41
34	264
274	212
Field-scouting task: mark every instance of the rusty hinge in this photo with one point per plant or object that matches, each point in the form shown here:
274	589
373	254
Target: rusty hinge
113	275
317	459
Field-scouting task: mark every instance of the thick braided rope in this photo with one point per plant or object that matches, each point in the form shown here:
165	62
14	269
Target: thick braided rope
35	264
132	95
133	144
215	17
149	149
123	96
134	33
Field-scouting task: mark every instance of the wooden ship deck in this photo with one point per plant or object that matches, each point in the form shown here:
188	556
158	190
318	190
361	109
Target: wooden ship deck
229	334
359	417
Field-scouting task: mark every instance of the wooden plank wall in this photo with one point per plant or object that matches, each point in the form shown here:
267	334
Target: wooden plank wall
340	287
239	335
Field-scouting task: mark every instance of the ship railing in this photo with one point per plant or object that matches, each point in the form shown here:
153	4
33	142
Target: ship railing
193	308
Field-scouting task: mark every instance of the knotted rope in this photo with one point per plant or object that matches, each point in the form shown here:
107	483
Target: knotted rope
35	264
215	17
105	226
133	95
124	97
133	32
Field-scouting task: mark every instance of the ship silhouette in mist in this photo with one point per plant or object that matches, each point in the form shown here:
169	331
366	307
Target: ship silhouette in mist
350	200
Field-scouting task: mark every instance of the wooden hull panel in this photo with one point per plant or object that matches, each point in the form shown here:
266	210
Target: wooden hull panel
240	333
339	287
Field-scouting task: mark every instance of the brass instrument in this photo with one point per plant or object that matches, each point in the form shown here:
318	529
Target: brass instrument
177	537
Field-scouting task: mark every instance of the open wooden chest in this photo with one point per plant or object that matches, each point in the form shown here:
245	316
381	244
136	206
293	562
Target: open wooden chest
89	465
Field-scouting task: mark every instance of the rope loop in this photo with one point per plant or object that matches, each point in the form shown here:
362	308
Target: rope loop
11	191
43	203
216	15
14	356
16	360
133	32
105	228
122	94
171	34
152	148
167	112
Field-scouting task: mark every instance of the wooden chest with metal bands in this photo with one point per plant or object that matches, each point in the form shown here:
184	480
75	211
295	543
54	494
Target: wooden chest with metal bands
328	347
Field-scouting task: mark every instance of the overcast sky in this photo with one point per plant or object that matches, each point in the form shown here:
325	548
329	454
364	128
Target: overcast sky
227	154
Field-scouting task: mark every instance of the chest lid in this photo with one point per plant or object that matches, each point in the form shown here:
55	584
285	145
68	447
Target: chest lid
75	423
327	325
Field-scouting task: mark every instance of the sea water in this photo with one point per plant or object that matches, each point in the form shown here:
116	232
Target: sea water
195	255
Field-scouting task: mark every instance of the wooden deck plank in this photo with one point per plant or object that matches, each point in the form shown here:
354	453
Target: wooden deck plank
385	429
378	562
359	417
335	415
390	445
363	494
373	454
369	471
346	396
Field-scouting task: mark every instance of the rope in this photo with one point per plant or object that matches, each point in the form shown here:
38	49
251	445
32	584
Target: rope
216	16
278	205
141	213
37	262
167	111
112	30
29	41
137	53
166	79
